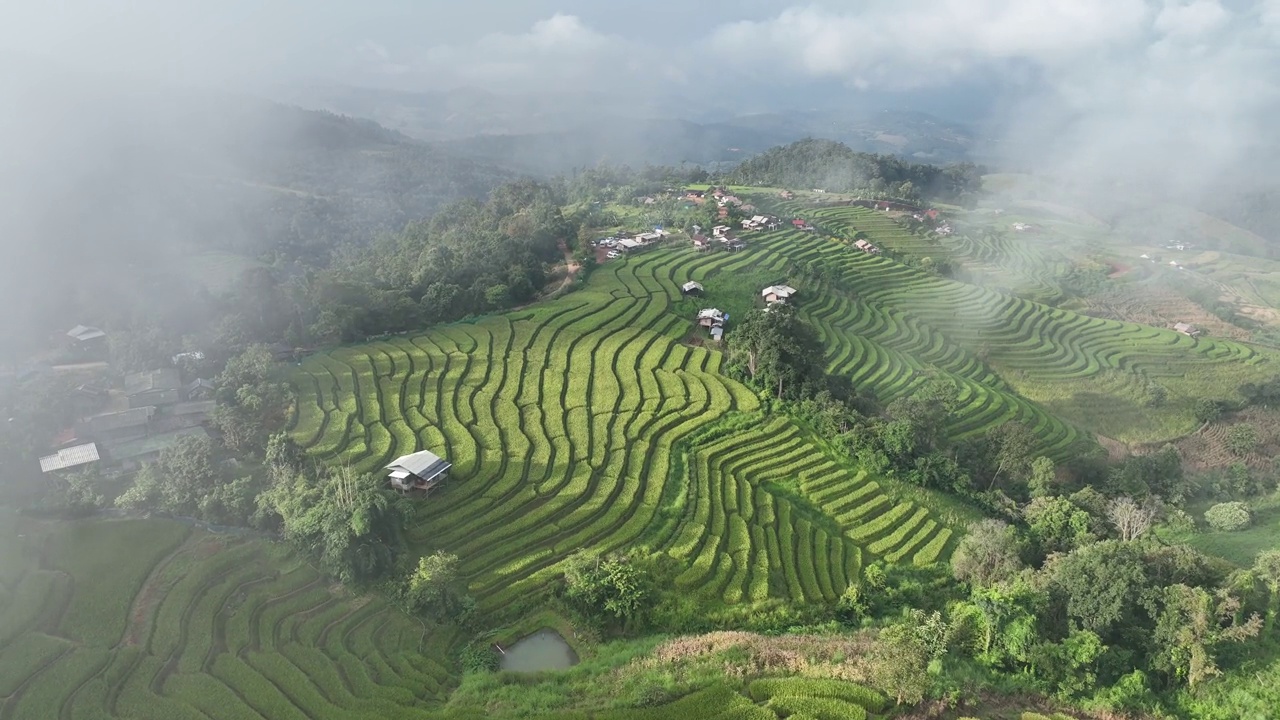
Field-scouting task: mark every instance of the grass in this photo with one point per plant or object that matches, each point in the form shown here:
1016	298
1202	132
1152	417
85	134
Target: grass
1240	547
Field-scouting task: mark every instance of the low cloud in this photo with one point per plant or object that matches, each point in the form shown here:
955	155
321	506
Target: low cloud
1173	94
559	52
916	43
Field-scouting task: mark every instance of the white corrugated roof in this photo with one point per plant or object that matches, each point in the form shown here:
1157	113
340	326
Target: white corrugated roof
69	457
85	332
712	313
691	285
424	463
782	291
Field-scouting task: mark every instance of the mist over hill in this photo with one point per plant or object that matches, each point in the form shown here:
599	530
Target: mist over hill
112	185
553	132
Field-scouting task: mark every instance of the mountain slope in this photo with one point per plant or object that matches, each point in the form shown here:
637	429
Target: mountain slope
113	186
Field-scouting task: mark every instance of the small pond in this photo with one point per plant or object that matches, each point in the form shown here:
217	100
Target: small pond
543	650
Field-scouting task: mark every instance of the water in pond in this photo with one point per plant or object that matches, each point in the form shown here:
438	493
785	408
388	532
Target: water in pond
543	650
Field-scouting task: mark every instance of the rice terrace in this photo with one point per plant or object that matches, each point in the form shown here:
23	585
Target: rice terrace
605	420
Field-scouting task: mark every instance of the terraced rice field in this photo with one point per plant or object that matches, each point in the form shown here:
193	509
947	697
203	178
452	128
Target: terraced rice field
1078	368
153	619
564	423
1025	265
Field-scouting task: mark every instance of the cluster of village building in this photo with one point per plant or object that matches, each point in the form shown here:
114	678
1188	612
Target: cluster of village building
124	425
713	319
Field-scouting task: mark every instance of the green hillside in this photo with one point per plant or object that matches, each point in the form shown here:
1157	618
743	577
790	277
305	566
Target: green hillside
587	423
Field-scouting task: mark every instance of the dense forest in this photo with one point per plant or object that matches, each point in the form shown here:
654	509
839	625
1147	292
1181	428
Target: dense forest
834	167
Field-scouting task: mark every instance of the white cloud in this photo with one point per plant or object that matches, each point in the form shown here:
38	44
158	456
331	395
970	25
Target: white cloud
559	51
1198	17
1172	93
923	42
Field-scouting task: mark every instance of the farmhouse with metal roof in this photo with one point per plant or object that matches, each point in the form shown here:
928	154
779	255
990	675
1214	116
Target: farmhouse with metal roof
69	457
422	470
777	293
710	317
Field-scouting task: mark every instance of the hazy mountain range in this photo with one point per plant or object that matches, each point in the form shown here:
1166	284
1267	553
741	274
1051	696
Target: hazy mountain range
554	132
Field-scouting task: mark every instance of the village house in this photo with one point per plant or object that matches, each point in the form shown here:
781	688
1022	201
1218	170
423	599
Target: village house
694	195
777	293
87	399
710	317
422	470
88	341
154	387
732	244
701	243
69	457
717	333
944	229
185	414
866	247
691	288
85	335
1186	329
787	195
200	389
720	230
120	425
1021	227
130	455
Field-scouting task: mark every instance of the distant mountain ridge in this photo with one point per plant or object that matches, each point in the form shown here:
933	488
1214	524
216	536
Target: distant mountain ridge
549	133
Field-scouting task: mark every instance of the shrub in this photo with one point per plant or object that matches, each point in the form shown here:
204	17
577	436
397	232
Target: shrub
476	658
1228	516
1242	439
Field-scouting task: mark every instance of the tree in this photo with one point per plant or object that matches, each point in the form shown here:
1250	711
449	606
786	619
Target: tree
185	473
1043	477
1267	569
900	661
1158	473
1069	666
1014	444
987	554
1242	439
1004	621
1130	518
78	492
1228	516
431	589
777	350
1192	626
252	403
351	523
498	295
1102	583
1207	410
611	584
143	347
1057	525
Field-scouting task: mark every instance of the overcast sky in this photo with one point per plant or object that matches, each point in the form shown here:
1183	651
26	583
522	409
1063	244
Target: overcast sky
1093	81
